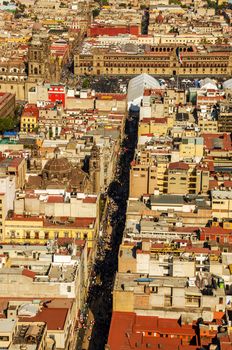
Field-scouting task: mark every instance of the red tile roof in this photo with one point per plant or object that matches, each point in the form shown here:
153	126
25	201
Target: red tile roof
226	342
215	230
218	315
153	92
17	217
213	184
127	329
84	222
109	96
55	199
210	98
228	183
208	164
209	140
30	109
185	229
159	120
148	135
28	273
90	200
179	166
146	120
54	317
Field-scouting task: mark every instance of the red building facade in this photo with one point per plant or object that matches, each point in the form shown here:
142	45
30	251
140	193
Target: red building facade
96	30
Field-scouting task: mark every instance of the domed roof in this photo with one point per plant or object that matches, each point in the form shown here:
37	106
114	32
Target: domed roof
78	178
57	166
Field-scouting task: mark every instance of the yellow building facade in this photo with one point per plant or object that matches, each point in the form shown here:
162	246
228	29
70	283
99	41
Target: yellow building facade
28	123
178	179
191	147
221	204
155	126
210	126
34	230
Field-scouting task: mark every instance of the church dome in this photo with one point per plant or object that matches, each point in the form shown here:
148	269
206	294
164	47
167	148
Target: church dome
57	168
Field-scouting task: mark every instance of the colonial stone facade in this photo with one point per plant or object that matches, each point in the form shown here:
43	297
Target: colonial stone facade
12	77
157	60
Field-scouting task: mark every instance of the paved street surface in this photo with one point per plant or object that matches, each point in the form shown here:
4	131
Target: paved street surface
100	293
88	331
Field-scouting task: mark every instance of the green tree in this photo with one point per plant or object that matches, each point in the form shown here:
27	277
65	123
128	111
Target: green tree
212	4
95	12
85	84
7	124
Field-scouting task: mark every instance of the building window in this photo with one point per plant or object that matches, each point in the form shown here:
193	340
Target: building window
167	300
12	234
46	235
4	338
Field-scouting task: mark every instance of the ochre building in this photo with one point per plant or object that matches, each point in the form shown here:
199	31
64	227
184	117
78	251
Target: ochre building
157	60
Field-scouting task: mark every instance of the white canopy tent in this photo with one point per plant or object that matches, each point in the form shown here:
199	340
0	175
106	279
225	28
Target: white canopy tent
137	86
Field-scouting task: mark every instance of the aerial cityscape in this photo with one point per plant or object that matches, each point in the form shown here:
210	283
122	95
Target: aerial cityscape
115	174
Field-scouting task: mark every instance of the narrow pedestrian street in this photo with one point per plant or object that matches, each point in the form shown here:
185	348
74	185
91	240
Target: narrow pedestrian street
100	292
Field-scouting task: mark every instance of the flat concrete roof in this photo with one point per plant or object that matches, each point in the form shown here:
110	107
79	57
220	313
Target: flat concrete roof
7	325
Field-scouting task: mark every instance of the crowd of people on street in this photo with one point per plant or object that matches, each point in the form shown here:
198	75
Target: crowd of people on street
105	267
